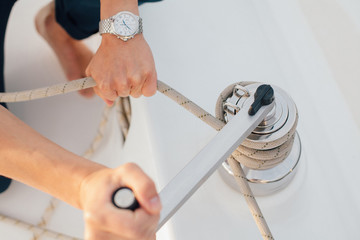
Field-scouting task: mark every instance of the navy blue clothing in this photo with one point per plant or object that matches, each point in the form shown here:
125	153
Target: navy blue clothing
80	18
5	8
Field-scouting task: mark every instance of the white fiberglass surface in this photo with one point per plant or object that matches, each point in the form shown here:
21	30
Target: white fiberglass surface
276	43
201	47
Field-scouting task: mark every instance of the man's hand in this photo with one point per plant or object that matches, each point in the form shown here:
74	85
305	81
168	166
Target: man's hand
123	68
103	221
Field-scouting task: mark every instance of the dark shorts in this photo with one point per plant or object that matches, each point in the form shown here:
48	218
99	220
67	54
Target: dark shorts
80	18
5	8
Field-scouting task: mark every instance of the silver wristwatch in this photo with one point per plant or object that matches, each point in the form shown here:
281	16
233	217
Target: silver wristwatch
125	25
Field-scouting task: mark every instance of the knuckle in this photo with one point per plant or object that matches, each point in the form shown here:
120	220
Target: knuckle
149	185
123	84
105	85
149	90
135	95
147	72
130	167
94	219
97	90
136	80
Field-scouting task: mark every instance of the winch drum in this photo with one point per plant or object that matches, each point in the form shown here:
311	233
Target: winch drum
277	128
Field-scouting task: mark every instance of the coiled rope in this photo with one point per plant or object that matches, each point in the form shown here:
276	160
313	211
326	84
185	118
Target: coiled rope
206	117
217	124
258	155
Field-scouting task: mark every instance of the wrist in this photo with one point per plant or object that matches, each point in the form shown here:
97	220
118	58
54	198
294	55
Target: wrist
92	169
111	7
111	41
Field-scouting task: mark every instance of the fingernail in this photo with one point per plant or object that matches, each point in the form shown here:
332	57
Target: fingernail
155	203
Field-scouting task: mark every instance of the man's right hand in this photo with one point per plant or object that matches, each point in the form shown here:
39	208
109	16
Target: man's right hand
103	221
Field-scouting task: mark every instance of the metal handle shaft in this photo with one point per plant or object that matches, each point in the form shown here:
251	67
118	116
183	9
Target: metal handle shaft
196	172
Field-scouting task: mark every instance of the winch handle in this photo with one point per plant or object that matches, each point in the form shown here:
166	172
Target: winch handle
124	197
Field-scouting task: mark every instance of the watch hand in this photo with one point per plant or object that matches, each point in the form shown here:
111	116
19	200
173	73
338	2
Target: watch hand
126	25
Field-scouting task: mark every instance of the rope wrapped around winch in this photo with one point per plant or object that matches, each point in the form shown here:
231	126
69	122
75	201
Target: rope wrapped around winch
257	154
251	154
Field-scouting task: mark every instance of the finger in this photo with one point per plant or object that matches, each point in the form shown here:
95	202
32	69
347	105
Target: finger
152	229
124	223
107	101
107	89
122	86
142	226
87	70
150	85
136	85
143	187
148	222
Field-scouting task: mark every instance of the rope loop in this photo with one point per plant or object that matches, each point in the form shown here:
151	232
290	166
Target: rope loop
261	154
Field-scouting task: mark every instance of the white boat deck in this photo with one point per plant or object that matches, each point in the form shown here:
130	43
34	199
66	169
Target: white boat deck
311	49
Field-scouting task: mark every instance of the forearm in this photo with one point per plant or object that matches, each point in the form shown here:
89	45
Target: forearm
30	158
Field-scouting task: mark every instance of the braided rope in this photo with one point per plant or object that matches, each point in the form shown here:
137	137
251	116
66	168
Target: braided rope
217	124
266	154
37	231
249	197
123	112
183	101
258	155
50	91
209	119
100	133
48	212
45	218
265	159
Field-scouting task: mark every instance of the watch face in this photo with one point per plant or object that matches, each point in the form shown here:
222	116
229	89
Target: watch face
126	24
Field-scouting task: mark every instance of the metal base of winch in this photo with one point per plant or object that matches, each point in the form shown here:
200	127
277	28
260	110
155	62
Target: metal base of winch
268	181
278	125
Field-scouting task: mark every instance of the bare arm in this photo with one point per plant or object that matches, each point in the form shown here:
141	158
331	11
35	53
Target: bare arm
29	157
32	159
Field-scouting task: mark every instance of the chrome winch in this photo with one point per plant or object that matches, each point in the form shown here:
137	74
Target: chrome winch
270	154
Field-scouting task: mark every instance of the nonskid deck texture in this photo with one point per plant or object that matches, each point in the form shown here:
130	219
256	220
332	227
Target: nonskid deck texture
269	42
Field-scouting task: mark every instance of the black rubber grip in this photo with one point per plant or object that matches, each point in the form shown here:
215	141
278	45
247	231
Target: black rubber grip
124	198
